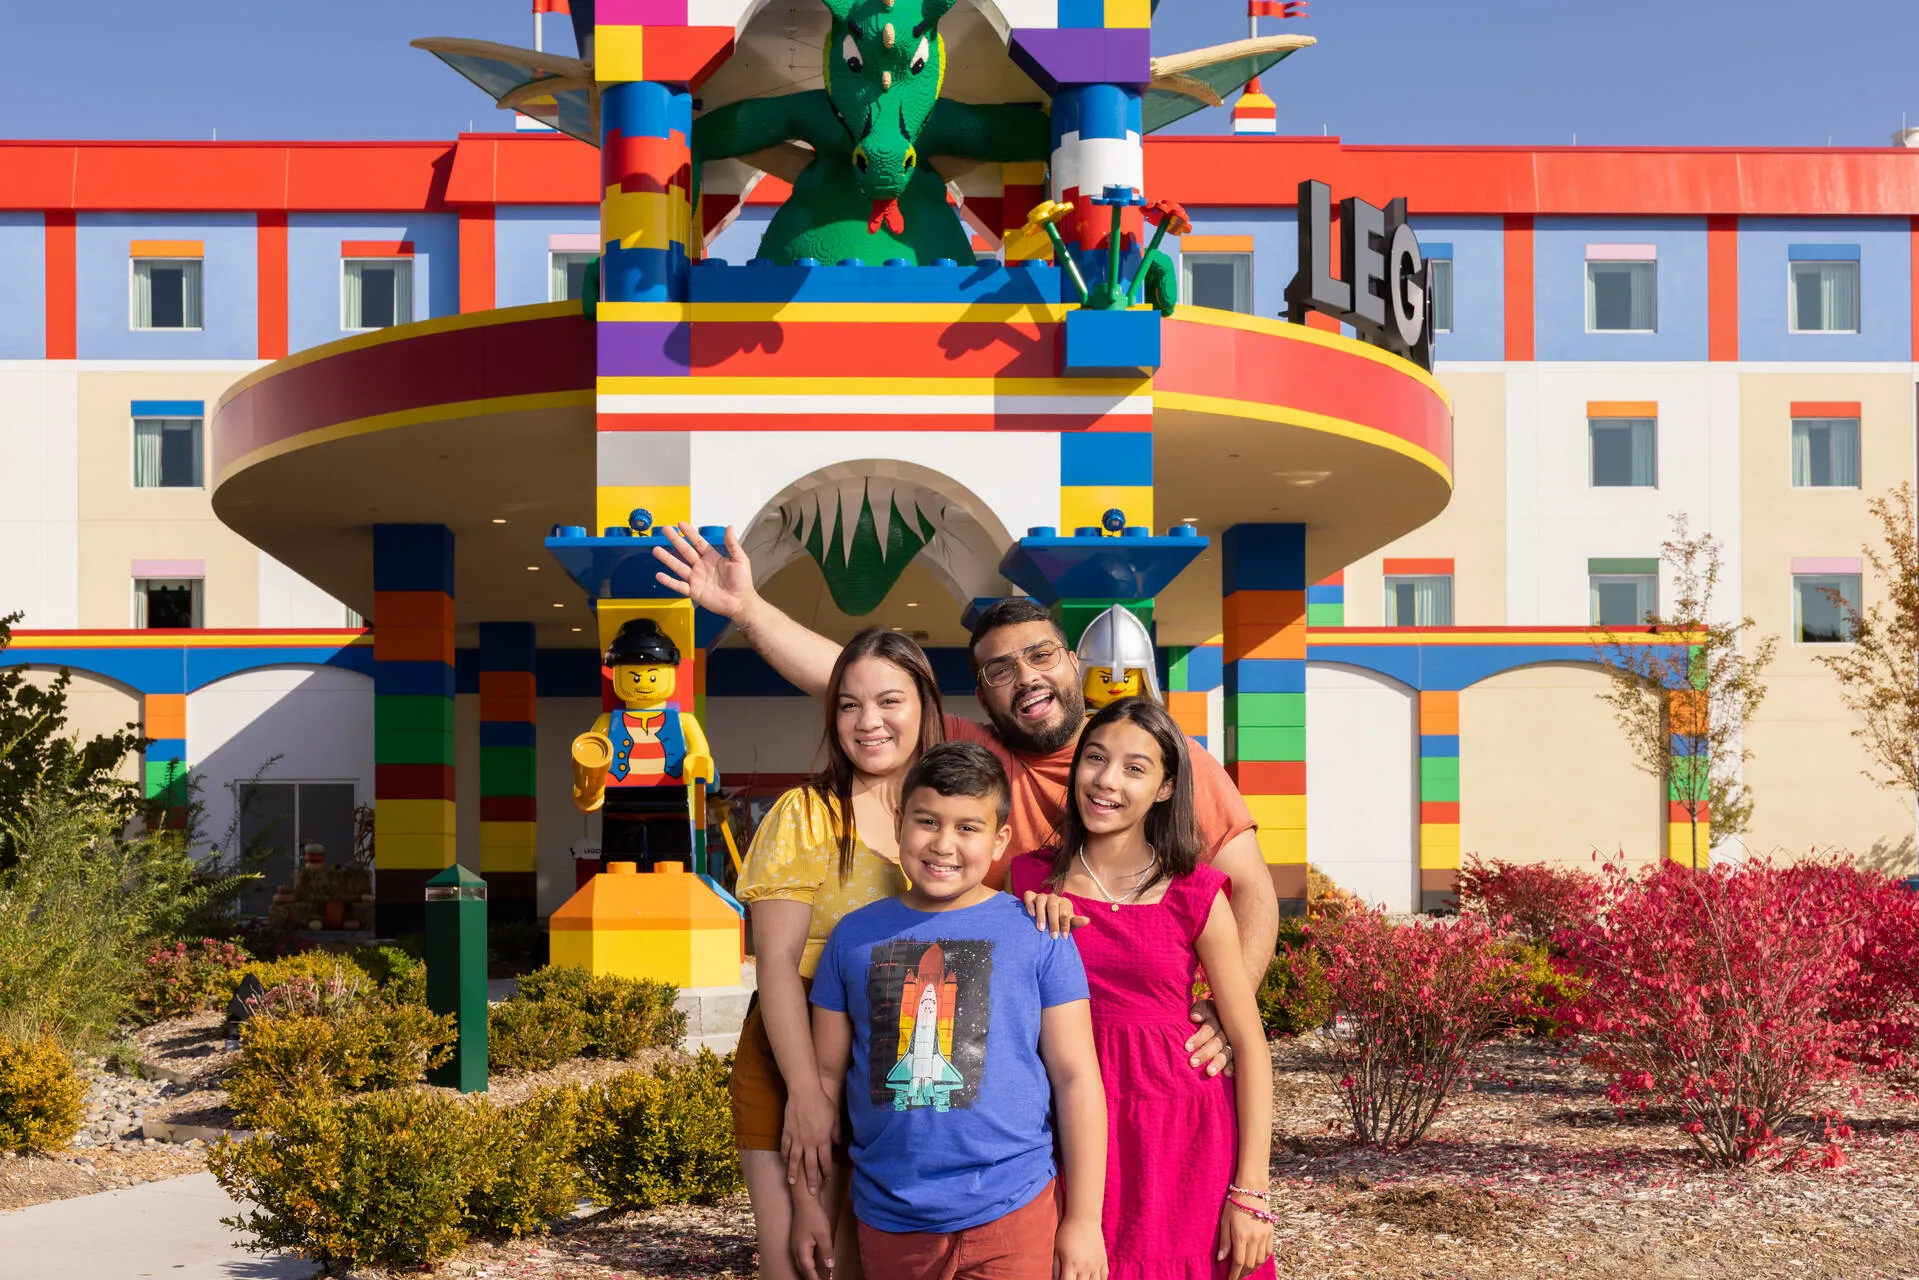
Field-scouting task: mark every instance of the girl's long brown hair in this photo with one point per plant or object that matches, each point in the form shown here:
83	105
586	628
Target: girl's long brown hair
834	783
1172	828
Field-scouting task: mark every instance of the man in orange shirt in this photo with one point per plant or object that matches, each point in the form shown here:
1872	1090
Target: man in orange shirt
1029	687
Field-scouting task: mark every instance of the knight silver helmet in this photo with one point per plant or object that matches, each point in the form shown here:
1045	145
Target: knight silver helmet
1119	642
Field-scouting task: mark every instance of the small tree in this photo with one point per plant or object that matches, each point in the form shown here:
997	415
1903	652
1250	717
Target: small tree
36	753
1685	701
1879	672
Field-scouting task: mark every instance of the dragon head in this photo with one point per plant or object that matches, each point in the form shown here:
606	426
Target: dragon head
884	62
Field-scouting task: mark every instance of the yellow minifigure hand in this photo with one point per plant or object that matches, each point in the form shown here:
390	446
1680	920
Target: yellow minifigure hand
698	766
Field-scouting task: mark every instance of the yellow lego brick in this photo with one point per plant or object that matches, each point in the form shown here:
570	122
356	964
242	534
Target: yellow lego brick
413	851
669	503
1023	173
1439	835
1442	858
1283	848
509	846
646	219
411	817
1278	813
1082	506
1680	847
1128	14
617	54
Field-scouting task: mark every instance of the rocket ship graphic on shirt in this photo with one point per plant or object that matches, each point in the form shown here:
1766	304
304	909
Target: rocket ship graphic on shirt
924	1074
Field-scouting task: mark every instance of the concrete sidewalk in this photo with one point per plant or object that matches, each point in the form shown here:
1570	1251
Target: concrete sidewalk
158	1229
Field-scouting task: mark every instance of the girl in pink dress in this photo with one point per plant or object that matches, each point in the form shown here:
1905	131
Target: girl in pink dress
1187	1153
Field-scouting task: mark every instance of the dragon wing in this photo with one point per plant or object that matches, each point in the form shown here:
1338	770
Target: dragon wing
1187	82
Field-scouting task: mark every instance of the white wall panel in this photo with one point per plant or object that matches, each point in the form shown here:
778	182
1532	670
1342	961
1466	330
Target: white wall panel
1362	783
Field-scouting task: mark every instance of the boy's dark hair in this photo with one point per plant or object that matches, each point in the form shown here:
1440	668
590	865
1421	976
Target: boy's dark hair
1172	827
961	769
1010	613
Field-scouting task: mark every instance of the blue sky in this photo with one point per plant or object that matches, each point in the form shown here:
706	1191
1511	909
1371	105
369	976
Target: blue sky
1707	72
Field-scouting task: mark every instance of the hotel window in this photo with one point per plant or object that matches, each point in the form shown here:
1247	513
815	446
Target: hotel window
168	602
1624	452
1442	287
1419	600
1823	606
278	819
1223	281
167	453
1624	592
566	276
376	293
1823	280
1825	452
350	618
1622	288
166	293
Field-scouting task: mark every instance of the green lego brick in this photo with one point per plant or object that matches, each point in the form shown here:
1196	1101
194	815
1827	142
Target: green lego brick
1266	710
166	781
1176	676
1074	616
1265	744
508	771
1325	615
401	746
1439	778
412	713
1688	778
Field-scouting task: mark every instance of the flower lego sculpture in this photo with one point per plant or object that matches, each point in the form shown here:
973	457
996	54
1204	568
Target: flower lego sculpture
637	762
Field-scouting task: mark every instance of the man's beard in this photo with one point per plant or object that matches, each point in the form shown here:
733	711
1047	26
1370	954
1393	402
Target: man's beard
1045	741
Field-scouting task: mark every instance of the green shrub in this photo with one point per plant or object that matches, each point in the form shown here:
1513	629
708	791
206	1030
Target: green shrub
40	1096
309	1058
529	1169
1295	995
662	1136
381	1180
399	975
623	1016
177	978
319	967
532	1035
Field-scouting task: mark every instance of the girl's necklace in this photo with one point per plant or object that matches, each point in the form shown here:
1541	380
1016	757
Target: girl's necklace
1139	880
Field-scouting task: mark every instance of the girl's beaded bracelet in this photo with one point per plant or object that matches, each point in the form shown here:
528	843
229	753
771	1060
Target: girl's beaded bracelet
1261	1215
1247	1191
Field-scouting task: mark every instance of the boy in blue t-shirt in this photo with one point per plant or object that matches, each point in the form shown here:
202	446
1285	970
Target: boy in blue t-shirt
956	1032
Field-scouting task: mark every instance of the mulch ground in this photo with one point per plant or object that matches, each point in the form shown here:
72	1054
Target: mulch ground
1532	1173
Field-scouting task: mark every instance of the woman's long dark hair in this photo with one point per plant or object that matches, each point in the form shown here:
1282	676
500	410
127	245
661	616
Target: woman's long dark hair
834	783
1172	828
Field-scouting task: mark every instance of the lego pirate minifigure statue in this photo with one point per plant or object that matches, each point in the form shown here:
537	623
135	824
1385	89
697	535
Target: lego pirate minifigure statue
1116	659
638	761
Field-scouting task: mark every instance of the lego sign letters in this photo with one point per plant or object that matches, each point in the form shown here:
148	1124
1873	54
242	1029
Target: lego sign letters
1383	288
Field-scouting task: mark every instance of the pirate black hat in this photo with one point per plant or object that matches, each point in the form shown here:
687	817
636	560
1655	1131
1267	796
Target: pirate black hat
642	641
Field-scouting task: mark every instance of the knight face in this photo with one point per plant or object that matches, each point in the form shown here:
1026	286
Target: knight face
884	62
642	683
1102	688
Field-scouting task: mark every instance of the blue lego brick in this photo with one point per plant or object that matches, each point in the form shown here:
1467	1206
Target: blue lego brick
1082	14
412	557
567	673
1109	343
1264	675
508	733
1438	746
1205	668
506	646
166	749
1263	557
1106	458
616	568
413	679
1335	594
1134	566
169	408
984	283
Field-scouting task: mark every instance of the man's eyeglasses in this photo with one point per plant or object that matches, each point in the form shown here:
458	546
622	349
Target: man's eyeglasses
1043	656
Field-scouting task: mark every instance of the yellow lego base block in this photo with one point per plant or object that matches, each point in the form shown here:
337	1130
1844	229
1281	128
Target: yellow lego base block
666	925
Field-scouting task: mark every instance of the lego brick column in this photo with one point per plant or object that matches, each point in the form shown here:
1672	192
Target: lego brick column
509	844
163	770
1192	675
412	718
1326	602
1438	797
646	177
1263	578
1688	782
1096	144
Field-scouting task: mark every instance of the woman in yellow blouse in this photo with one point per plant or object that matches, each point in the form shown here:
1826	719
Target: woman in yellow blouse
806	869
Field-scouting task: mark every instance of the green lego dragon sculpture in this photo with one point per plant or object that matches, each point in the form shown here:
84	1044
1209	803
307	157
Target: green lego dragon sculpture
868	191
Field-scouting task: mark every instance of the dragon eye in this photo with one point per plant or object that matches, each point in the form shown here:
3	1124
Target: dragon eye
851	52
919	57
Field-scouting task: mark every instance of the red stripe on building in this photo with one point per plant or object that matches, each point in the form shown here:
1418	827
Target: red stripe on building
1722	287
63	310
1519	287
270	240
476	257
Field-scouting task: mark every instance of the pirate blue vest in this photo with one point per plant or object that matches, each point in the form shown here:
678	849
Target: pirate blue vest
634	757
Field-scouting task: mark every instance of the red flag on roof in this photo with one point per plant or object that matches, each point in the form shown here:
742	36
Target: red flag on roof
1269	8
553	6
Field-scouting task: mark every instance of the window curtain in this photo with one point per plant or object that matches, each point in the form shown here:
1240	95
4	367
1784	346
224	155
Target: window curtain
1643	285
350	297
1639	280
1645	453
190	291
1825	453
1837	286
556	276
142	294
197	430
1442	300
140	603
1433	601
147	434
402	291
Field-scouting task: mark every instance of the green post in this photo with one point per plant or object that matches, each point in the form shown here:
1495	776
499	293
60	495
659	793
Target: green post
456	972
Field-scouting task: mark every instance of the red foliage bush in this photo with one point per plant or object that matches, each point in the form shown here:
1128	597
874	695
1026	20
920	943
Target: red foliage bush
1878	1010
1713	993
1412	1005
176	978
1534	901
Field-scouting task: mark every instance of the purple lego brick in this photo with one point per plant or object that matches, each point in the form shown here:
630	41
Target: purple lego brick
1055	57
644	348
641	13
